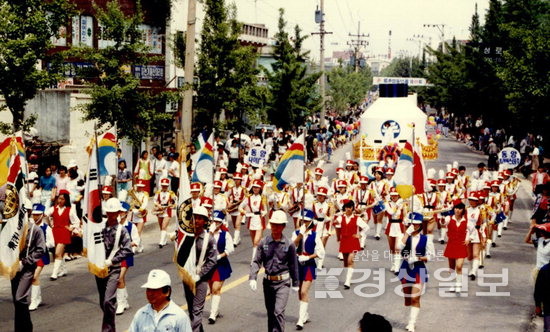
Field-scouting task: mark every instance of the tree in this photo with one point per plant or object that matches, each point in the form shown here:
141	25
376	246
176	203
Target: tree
292	91
26	30
404	67
116	93
226	70
348	88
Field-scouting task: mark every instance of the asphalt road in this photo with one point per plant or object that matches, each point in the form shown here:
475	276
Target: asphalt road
71	302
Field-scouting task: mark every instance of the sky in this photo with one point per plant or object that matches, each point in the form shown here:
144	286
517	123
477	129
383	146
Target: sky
405	18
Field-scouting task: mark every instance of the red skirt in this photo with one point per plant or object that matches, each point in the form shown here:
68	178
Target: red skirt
349	244
61	235
455	249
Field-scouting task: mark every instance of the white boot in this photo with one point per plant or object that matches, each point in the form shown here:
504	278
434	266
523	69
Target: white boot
340	256
215	307
126	303
458	283
378	230
302	316
412	319
500	228
162	241
494	236
56	266
396	262
473	271
505	222
443	235
36	297
237	237
120	306
430	238
349	273
254	250
62	269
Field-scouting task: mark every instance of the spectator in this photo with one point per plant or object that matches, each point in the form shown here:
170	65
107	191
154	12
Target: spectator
124	177
161	314
542	295
492	151
375	323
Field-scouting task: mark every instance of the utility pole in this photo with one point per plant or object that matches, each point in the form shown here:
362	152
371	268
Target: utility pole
320	18
441	28
357	44
187	109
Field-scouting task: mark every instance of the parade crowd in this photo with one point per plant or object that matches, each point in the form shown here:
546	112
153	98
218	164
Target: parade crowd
467	212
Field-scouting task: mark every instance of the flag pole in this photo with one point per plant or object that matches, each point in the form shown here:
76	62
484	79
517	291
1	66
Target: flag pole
99	186
116	161
412	169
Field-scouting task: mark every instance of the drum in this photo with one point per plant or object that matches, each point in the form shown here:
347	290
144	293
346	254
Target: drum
500	217
379	207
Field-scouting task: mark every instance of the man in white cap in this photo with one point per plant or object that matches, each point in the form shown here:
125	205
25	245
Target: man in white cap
277	254
161	314
117	248
206	254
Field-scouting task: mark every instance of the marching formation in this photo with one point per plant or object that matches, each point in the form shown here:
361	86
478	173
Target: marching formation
467	214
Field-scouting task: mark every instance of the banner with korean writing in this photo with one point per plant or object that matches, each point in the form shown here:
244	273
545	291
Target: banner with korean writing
257	156
509	158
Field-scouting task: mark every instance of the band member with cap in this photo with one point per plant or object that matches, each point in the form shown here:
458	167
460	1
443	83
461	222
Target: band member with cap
445	199
475	226
309	248
165	201
236	195
39	220
495	216
396	210
161	314
106	193
220	200
380	188
196	188
222	269
457	246
364	199
64	221
353	235
206	254
279	200
511	187
463	182
323	210
278	256
121	292
319	180
254	209
297	197
32	251
416	250
117	244
139	209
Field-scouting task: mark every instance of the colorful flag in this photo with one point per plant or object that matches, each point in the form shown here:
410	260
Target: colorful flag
185	254
13	234
9	147
94	248
204	167
108	161
410	174
291	166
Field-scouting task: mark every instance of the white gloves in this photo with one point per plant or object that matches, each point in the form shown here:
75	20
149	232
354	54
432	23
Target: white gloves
218	257
302	259
108	263
20	266
413	259
303	229
253	285
410	230
295	289
196	278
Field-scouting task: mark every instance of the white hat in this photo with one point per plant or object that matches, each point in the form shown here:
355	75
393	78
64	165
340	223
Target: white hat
112	205
157	279
72	163
201	211
278	217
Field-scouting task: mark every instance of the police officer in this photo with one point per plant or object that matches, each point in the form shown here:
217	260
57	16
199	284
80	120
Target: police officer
277	254
206	254
117	248
35	247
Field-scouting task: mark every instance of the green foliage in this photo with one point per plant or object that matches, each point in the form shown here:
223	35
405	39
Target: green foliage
116	93
404	67
26	29
347	88
226	70
292	92
159	11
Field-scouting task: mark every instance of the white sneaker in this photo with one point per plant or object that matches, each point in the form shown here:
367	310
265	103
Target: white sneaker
410	327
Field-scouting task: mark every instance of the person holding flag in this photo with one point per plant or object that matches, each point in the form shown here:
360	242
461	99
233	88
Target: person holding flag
34	247
117	246
39	220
